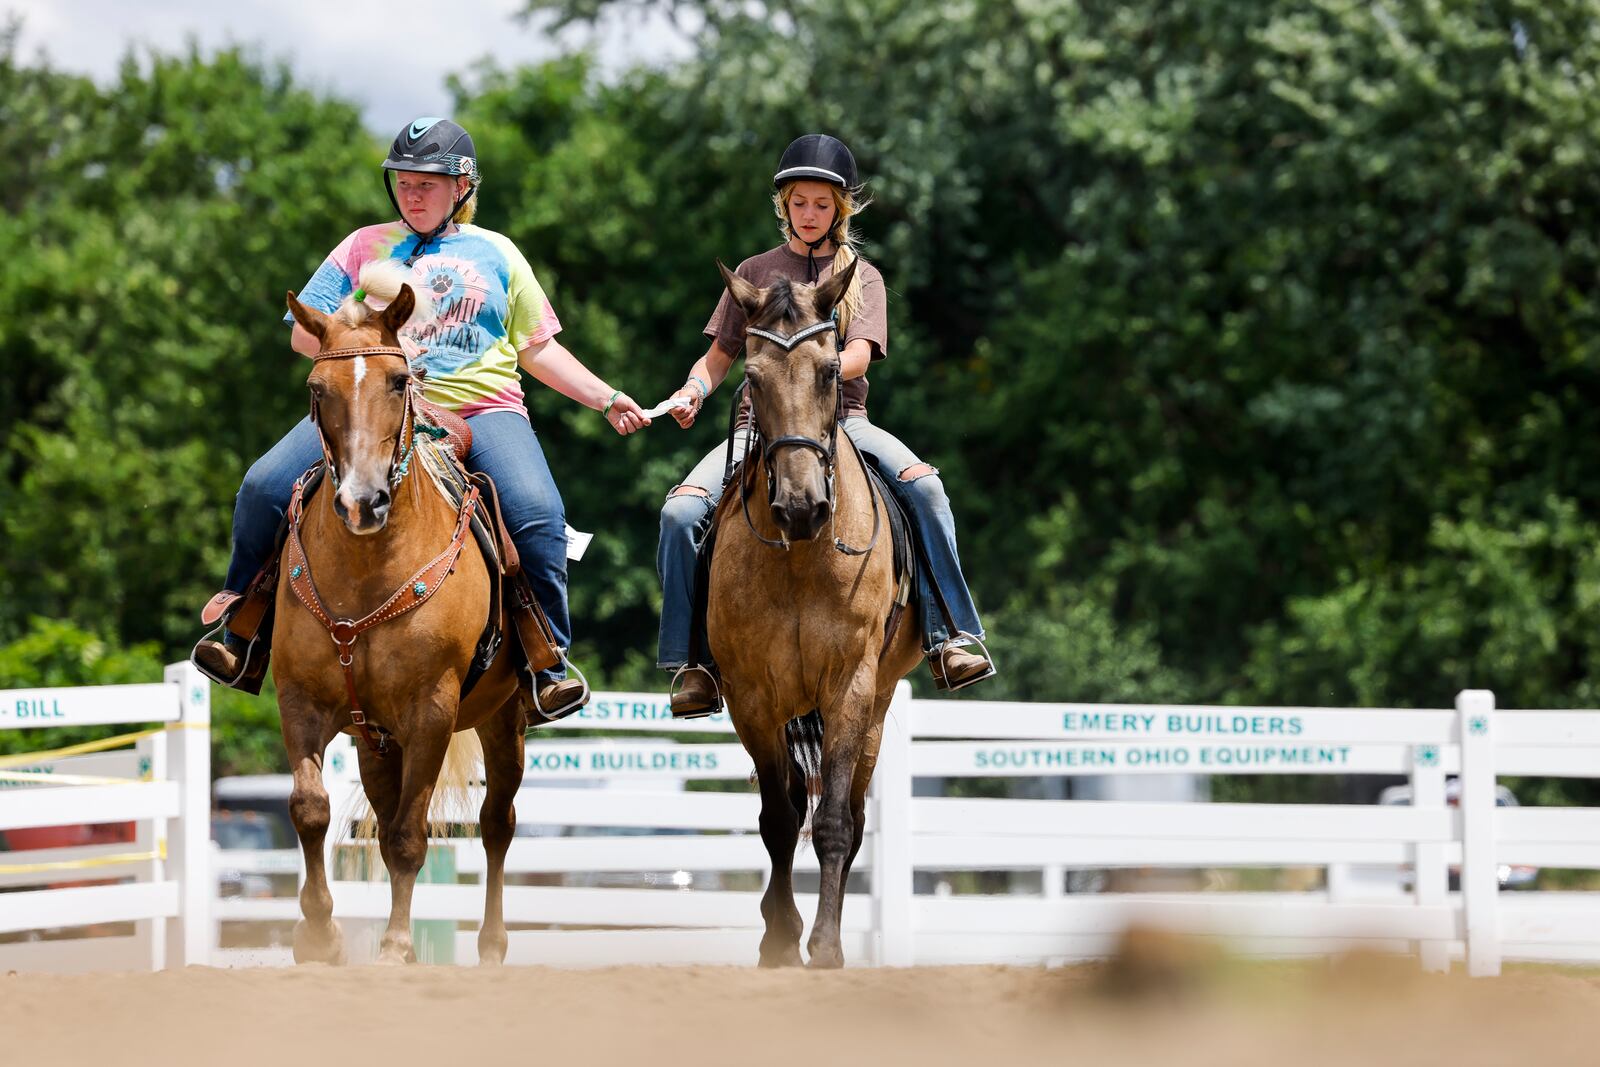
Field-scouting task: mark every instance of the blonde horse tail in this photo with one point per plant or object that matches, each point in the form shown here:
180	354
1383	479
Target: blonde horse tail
450	810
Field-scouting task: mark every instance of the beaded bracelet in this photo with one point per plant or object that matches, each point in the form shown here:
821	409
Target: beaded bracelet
607	412
705	390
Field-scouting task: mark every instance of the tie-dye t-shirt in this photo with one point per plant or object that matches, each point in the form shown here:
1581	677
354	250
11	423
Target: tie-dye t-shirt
488	308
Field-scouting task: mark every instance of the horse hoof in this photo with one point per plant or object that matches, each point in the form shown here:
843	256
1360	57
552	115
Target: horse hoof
789	957
828	959
395	953
313	944
492	952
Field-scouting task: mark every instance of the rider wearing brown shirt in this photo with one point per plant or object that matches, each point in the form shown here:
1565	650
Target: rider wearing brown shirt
817	192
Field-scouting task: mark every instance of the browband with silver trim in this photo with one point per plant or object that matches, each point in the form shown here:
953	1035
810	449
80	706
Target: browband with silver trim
788	343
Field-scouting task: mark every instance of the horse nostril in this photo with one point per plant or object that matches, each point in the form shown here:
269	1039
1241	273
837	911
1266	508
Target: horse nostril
380	500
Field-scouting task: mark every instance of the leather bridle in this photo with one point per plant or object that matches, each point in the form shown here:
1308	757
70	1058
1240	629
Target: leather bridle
403	444
828	452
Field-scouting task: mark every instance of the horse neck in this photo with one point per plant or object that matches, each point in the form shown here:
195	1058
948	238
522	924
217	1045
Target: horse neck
852	518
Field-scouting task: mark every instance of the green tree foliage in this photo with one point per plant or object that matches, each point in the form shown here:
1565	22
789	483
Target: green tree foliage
1268	329
158	222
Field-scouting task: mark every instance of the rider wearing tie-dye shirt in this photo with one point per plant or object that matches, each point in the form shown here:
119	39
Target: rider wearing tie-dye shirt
490	319
488	308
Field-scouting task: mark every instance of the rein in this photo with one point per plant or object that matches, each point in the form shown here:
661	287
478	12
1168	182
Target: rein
413	593
827	452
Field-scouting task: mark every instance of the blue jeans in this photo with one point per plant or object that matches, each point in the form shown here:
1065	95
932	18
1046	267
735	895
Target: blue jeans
504	446
685	519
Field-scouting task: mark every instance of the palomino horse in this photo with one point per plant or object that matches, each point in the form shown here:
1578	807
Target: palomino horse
380	608
795	621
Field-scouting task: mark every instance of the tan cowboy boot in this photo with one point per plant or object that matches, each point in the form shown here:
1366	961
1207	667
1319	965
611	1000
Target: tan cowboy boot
956	667
216	660
557	700
699	695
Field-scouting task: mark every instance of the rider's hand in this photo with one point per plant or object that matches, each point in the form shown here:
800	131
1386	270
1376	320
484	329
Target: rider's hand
626	416
685	415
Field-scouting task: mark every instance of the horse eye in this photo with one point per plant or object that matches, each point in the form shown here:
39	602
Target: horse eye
318	390
399	383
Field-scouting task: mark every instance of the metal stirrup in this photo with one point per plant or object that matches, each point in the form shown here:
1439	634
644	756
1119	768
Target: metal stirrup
716	687
949	645
217	633
576	704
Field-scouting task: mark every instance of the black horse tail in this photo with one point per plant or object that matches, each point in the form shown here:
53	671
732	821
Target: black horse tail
805	754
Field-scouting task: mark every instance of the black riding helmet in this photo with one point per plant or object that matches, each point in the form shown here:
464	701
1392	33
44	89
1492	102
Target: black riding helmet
819	158
432	146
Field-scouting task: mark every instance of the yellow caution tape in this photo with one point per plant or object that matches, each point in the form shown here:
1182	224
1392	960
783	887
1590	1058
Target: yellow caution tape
115	860
22	759
48	778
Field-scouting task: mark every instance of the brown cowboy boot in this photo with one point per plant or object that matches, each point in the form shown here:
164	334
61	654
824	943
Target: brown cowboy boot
232	662
557	700
217	660
956	667
699	696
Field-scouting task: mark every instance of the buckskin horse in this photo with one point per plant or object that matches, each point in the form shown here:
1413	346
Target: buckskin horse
804	628
381	607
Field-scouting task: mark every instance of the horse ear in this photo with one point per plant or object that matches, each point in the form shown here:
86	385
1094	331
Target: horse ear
399	309
746	295
830	292
313	321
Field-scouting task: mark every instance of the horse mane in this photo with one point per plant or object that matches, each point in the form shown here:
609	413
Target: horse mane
381	281
781	304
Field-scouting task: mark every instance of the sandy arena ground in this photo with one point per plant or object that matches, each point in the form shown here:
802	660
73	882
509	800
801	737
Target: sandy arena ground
1364	1011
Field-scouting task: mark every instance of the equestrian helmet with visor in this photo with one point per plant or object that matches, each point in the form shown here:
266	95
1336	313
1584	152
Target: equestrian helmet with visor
432	146
817	157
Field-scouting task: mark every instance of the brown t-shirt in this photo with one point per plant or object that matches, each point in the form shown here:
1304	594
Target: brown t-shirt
871	323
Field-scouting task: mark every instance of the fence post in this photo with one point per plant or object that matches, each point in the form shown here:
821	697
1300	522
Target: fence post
1430	874
150	836
891	840
1480	885
189	840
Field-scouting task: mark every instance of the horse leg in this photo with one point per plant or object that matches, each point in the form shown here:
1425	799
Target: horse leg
407	837
833	827
380	780
502	740
780	832
858	788
317	938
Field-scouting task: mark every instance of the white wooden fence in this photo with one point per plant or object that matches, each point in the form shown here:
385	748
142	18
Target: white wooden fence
160	883
684	836
954	740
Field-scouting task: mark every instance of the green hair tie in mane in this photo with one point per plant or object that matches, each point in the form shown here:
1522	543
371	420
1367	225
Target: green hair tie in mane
360	295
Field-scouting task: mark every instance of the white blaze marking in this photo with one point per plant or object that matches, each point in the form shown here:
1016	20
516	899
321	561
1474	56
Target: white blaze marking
358	437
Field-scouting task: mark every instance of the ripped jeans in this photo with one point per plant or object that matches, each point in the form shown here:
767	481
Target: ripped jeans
685	518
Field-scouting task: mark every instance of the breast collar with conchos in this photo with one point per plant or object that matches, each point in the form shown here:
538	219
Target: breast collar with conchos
413	593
